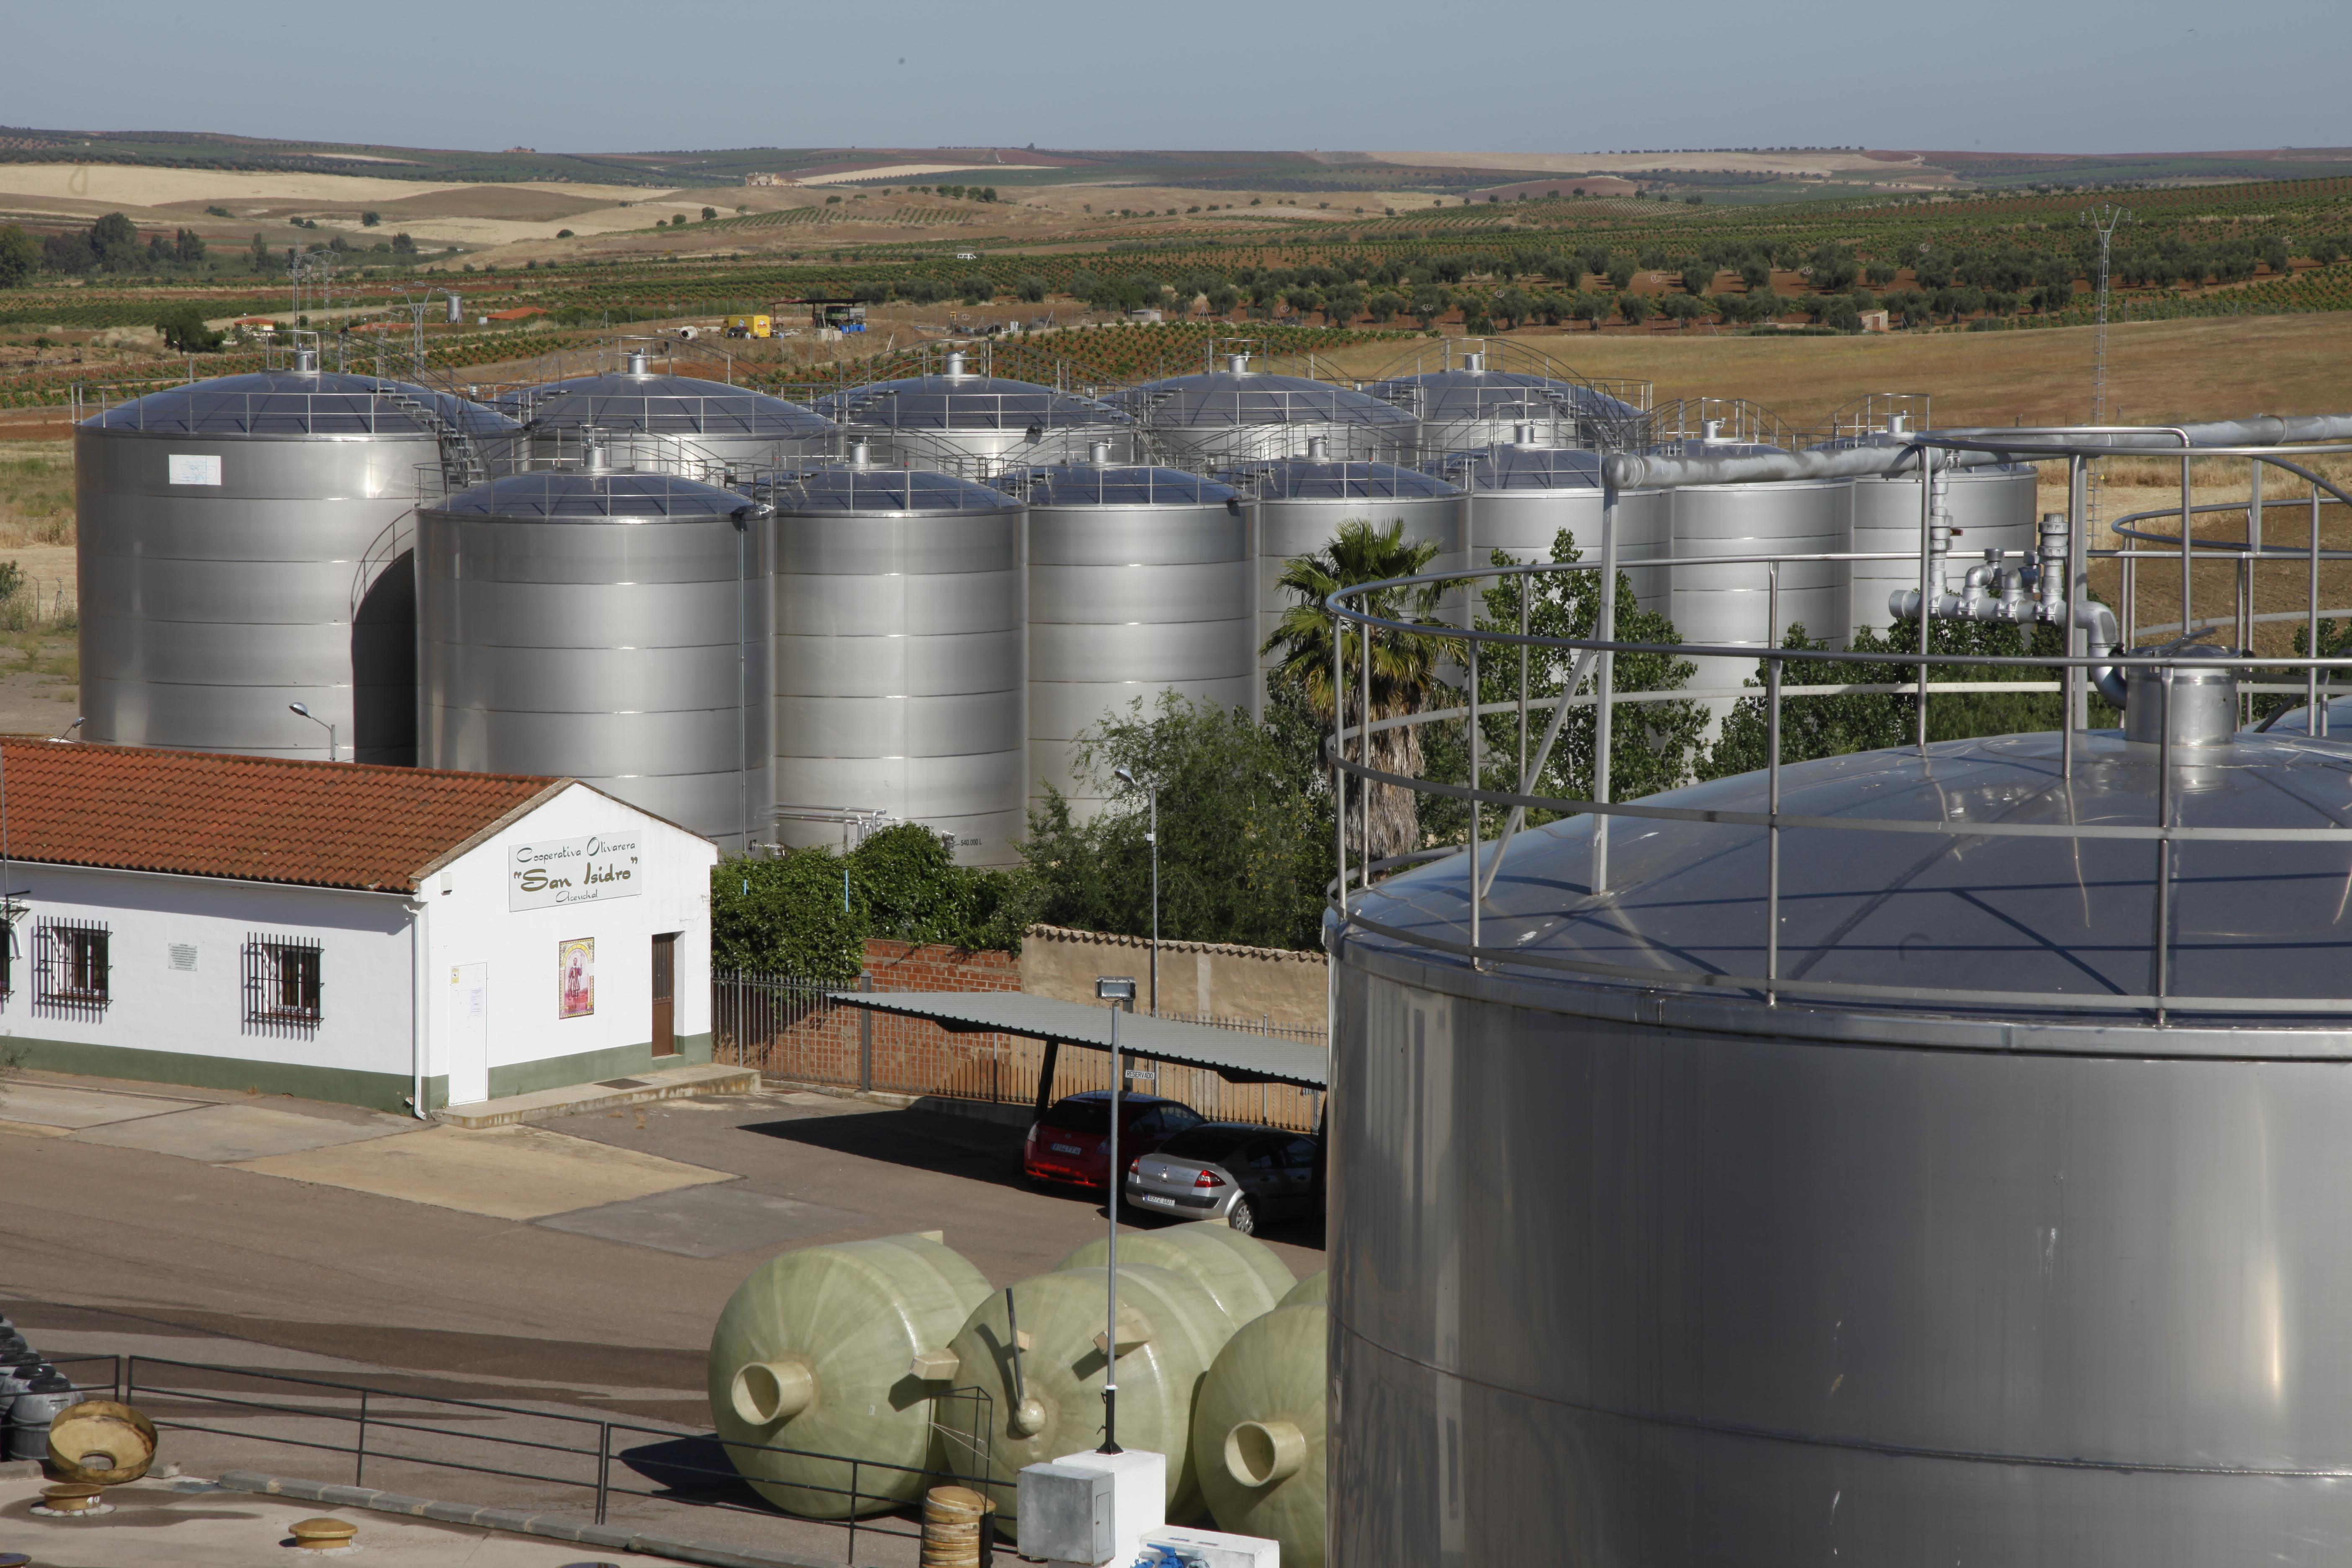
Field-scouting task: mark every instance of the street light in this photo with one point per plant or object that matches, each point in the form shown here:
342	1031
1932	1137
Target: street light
1153	838
1119	990
333	755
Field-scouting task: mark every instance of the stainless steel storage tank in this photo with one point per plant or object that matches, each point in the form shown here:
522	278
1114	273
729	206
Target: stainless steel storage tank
1301	502
978	425
901	667
1468	407
245	544
681	423
611	627
1522	493
1728	605
1990	1263
1141	580
1235	415
1990	507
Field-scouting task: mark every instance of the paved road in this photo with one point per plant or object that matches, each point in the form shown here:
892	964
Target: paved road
106	1248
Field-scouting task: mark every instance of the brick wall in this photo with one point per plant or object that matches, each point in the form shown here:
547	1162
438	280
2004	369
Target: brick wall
904	966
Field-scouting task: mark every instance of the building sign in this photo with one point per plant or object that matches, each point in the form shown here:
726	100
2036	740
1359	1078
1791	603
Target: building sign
554	871
191	468
575	977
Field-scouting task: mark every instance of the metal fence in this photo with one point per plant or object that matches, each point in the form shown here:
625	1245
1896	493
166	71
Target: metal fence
588	1462
791	1031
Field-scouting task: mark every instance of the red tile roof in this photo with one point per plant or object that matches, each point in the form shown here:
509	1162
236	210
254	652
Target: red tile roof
266	819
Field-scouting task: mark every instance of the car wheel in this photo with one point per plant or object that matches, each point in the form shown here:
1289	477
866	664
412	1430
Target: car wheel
1244	1217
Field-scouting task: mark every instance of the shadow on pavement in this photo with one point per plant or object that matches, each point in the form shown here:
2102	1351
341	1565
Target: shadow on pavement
946	1145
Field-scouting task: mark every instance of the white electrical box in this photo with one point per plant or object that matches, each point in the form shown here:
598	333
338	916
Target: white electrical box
1066	1514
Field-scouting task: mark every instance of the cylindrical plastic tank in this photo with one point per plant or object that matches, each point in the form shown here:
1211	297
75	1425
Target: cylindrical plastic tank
1990	508
1301	503
1236	416
815	1351
1246	1276
1729	604
1048	1401
1468	407
1140	582
608	627
978	425
1259	1436
45	1396
681	423
1522	495
901	667
1313	1291
1984	1263
247	543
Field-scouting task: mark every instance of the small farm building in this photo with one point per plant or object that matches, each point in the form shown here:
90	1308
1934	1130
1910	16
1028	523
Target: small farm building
384	936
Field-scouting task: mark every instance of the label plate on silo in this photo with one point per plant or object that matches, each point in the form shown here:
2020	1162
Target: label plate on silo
194	468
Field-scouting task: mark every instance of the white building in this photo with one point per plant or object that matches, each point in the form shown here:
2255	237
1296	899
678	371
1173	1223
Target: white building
376	935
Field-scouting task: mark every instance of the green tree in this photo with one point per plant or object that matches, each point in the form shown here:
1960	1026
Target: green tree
114	241
1246	837
20	255
1429	302
1593	308
369	220
1404	664
809	913
1620	272
708	214
188	247
403	246
1652	745
1029	287
1634	307
1511	306
260	254
184	330
1683	309
1698	278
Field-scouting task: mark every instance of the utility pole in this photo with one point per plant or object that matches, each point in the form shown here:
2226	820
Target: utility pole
2104	220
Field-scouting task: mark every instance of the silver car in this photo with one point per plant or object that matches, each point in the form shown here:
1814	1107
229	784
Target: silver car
1233	1171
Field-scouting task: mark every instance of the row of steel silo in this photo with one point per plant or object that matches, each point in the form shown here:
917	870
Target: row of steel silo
688	593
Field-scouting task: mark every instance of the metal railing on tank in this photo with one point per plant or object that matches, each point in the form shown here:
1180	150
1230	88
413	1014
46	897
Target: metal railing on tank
2048	586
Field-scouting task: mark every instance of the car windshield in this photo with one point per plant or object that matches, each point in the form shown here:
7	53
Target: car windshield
1211	1145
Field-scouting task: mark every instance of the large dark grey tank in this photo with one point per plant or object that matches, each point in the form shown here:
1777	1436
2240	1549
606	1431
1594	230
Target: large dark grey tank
901	667
245	544
1982	1260
978	425
679	423
608	627
1142	581
1236	414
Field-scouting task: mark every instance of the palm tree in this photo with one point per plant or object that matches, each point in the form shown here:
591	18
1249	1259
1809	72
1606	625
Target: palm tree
1404	677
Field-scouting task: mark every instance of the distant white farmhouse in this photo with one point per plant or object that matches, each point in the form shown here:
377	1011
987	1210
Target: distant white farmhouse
390	937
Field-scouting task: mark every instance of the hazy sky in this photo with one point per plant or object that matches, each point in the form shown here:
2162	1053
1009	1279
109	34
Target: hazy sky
1502	75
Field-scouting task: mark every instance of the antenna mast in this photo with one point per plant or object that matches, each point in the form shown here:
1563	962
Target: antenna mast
2104	220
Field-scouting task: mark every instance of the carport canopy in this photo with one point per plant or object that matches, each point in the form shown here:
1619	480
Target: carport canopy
1232	1054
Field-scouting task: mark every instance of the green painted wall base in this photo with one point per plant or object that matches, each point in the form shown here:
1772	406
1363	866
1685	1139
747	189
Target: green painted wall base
621	1061
375	1091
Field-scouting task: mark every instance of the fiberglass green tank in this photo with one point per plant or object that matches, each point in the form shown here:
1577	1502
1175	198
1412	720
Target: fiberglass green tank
1258	1433
819	1350
1247	1277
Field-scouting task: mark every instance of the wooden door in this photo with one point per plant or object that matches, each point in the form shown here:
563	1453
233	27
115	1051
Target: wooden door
665	991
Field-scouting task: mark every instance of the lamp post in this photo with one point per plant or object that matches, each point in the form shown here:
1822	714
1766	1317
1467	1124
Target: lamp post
1151	837
1119	992
333	756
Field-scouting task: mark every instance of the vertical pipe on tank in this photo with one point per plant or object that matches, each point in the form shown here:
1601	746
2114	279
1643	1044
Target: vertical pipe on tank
2185	521
1772	793
2315	715
1604	631
2075	700
1927	587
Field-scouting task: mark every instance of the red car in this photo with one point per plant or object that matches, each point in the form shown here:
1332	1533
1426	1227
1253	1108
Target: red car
1071	1143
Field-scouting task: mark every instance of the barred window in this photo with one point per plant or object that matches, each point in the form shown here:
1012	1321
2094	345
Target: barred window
71	969
281	985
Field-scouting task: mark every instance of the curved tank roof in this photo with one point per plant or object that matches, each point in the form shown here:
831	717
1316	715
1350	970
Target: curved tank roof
302	403
846	487
1084	484
964	403
1242	397
1966	915
1517	468
661	404
627	497
1460	393
1311	478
